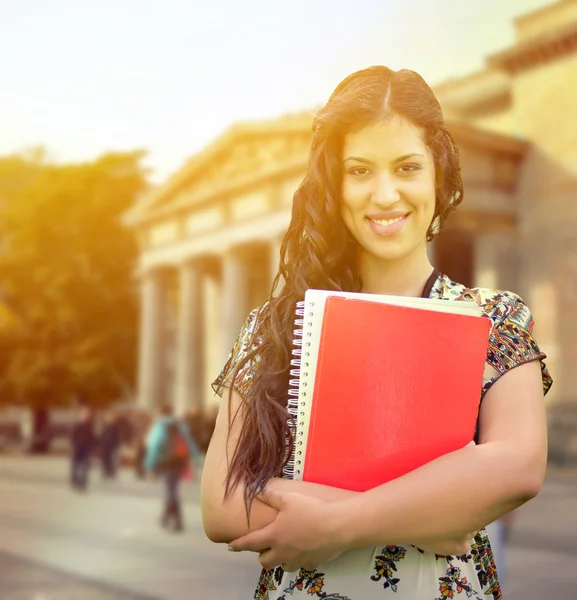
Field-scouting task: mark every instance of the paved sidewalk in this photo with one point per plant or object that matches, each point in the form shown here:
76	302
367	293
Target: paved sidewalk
55	470
116	538
111	534
22	579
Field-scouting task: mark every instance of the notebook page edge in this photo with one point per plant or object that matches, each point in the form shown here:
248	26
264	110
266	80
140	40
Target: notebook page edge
315	301
436	304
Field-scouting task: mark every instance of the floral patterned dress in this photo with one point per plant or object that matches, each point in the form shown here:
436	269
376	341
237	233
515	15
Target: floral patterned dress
404	572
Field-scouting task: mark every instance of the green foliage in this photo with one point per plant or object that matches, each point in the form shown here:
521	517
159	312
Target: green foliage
66	278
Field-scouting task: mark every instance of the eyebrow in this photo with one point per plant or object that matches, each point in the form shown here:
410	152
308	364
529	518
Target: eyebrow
398	160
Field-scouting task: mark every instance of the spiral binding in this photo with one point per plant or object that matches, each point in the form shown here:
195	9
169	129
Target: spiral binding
293	395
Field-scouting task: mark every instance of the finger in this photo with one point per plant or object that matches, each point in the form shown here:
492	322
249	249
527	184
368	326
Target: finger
269	559
255	541
272	497
463	548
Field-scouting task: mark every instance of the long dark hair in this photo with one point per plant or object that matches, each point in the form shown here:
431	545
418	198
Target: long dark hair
319	252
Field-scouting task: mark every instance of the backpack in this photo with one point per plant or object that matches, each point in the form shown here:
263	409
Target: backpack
174	454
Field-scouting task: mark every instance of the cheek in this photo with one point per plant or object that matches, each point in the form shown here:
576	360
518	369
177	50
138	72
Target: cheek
353	195
433	202
426	195
432	193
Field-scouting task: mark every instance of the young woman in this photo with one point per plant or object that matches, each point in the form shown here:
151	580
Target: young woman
383	174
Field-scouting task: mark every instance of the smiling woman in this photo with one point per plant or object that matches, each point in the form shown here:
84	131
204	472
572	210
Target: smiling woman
383	174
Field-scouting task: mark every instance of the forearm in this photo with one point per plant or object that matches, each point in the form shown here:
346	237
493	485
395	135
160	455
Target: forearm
232	522
458	493
226	520
313	490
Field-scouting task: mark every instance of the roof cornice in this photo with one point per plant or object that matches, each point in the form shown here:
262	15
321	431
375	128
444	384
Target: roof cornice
539	50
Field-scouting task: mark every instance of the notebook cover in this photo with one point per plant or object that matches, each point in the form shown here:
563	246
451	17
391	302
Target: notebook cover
395	388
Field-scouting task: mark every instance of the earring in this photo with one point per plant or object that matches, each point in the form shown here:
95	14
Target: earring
435	227
454	198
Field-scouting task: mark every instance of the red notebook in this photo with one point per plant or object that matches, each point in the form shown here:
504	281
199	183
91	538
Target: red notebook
385	385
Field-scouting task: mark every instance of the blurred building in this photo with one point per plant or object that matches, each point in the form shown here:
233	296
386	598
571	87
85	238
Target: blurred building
210	235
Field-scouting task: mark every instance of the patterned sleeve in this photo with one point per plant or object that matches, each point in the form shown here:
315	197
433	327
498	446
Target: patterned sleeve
247	340
511	342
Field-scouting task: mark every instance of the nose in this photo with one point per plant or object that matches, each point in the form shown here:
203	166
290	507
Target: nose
386	191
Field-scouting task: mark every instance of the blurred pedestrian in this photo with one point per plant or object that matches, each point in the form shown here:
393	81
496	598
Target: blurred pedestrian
125	427
169	450
82	444
109	445
194	420
141	424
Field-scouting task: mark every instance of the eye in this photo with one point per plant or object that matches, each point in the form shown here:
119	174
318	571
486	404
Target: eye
408	168
359	171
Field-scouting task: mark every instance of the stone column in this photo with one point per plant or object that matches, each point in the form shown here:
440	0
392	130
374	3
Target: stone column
543	301
189	379
234	294
211	317
150	366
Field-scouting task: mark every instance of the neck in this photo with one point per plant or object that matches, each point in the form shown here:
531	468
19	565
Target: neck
404	277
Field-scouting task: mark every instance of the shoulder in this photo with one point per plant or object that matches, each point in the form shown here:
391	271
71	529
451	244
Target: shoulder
511	342
250	336
247	343
255	322
499	305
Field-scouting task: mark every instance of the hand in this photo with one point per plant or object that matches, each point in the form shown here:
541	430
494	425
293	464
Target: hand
449	546
302	535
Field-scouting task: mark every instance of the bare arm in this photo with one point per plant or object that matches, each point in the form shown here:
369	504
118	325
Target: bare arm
225	521
464	490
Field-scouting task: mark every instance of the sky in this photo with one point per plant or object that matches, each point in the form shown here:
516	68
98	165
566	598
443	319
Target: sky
83	78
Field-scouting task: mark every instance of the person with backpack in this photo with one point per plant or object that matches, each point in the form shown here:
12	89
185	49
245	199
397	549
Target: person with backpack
169	450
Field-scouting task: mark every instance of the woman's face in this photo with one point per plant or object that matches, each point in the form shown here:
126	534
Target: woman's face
388	189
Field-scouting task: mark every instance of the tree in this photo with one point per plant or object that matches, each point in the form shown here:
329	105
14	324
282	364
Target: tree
67	278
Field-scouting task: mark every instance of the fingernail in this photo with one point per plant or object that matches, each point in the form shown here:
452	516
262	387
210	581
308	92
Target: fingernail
231	549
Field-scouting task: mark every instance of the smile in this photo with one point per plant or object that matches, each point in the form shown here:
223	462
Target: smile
387	227
388	221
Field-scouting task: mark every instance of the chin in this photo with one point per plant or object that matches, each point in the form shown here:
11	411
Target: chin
389	254
392	250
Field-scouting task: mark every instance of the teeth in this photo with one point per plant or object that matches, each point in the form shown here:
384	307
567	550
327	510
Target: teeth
388	222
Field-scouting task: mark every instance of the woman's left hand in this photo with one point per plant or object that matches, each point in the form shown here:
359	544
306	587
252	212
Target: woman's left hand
302	535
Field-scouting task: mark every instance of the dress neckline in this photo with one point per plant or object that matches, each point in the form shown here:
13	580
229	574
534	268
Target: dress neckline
430	283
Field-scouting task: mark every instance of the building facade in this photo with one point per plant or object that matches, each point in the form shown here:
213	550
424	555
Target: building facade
210	235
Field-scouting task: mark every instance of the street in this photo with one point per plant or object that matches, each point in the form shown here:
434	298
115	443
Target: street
56	544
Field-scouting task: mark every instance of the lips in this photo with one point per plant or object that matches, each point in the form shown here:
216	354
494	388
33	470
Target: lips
386	224
387	218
